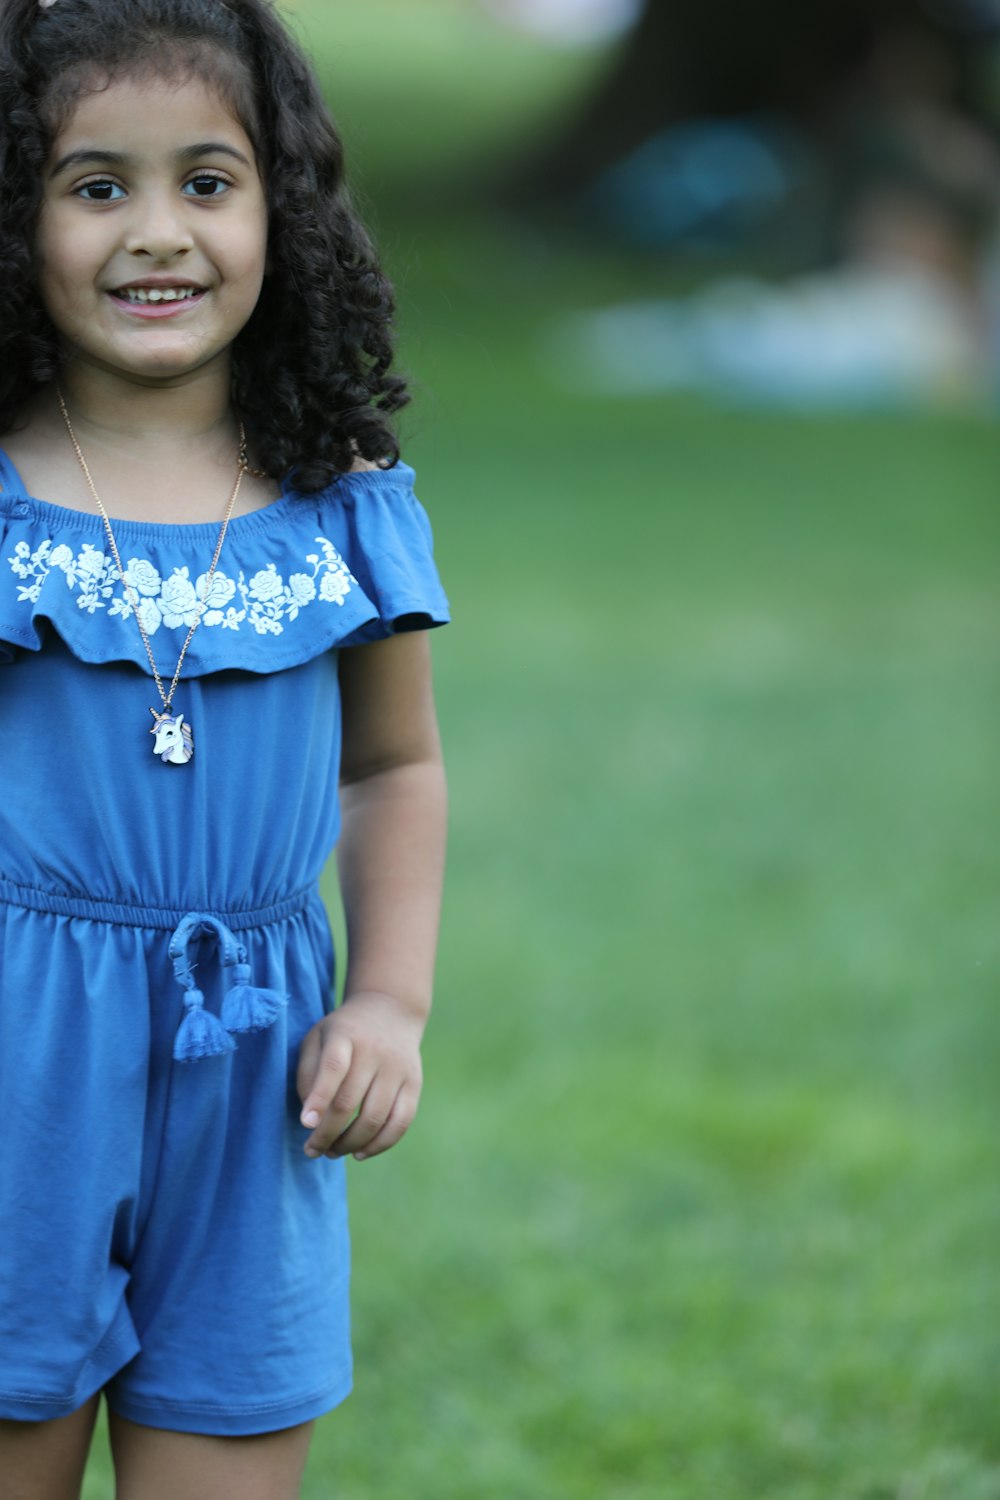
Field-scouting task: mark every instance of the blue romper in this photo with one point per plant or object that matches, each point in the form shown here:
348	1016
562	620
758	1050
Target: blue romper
164	949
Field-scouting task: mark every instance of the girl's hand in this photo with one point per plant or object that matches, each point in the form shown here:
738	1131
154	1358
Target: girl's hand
359	1076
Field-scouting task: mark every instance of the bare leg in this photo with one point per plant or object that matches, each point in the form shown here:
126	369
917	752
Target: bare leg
151	1464
46	1460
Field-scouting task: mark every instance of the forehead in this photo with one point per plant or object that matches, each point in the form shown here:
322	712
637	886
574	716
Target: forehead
150	117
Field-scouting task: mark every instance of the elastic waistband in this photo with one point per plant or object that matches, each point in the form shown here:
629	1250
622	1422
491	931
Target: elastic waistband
123	915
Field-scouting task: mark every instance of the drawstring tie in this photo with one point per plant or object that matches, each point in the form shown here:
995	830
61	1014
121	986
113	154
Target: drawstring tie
245	1008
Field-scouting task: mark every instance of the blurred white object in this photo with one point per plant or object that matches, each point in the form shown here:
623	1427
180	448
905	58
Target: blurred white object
569	22
865	336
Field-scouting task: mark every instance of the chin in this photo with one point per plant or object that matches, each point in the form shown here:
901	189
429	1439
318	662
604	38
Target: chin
153	364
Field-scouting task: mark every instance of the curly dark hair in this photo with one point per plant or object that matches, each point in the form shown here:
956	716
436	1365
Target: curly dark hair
311	369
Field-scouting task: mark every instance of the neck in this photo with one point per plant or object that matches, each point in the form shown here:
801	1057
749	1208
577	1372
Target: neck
166	453
195	413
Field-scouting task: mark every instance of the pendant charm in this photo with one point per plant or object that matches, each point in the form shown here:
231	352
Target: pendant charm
174	742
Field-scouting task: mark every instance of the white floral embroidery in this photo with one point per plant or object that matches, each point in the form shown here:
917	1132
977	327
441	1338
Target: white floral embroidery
302	587
142	576
178	600
268	602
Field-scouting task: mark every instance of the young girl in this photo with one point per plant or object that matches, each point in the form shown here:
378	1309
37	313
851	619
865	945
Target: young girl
215	590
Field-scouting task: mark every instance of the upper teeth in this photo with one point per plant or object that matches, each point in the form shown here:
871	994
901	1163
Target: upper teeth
158	294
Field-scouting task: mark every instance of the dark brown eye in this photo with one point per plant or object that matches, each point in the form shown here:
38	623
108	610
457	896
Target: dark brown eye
207	187
100	192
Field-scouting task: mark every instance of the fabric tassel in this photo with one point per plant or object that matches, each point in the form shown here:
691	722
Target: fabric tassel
200	1034
247	1008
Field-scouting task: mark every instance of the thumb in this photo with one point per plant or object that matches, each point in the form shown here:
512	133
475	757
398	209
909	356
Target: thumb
309	1055
324	1062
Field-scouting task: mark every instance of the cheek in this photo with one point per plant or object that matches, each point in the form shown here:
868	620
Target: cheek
253	238
65	261
249	261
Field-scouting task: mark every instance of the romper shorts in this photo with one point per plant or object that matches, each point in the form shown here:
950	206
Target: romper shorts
164	1236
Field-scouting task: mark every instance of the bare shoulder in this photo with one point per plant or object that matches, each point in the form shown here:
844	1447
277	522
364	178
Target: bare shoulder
364	465
44	460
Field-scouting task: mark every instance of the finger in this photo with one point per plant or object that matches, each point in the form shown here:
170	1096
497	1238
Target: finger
400	1119
343	1107
376	1109
329	1071
308	1067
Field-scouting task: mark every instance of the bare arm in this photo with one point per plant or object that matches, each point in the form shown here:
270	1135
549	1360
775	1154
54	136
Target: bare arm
364	1059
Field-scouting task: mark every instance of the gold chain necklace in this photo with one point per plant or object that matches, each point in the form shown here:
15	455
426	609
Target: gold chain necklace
174	742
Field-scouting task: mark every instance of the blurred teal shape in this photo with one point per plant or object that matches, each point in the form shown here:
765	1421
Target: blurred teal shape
701	184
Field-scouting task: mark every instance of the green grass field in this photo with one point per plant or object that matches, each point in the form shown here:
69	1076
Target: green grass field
703	1202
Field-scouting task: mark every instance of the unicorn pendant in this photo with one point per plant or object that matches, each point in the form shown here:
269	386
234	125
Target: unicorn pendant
174	742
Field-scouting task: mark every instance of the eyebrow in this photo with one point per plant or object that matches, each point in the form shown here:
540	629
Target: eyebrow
123	159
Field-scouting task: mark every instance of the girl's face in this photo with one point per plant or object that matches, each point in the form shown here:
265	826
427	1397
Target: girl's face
152	238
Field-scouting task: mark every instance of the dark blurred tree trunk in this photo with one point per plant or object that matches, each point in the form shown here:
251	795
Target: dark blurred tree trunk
689	59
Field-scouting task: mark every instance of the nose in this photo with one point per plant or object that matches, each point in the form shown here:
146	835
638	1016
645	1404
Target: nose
158	228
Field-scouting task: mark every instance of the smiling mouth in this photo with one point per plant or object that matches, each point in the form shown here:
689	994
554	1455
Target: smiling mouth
143	296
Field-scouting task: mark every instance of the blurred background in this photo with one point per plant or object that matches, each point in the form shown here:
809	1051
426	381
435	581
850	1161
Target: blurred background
701	303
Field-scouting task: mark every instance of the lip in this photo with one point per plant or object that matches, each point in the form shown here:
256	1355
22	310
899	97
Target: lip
151	310
158	284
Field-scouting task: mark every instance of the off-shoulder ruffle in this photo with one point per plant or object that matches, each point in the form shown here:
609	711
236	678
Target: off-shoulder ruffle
351	564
